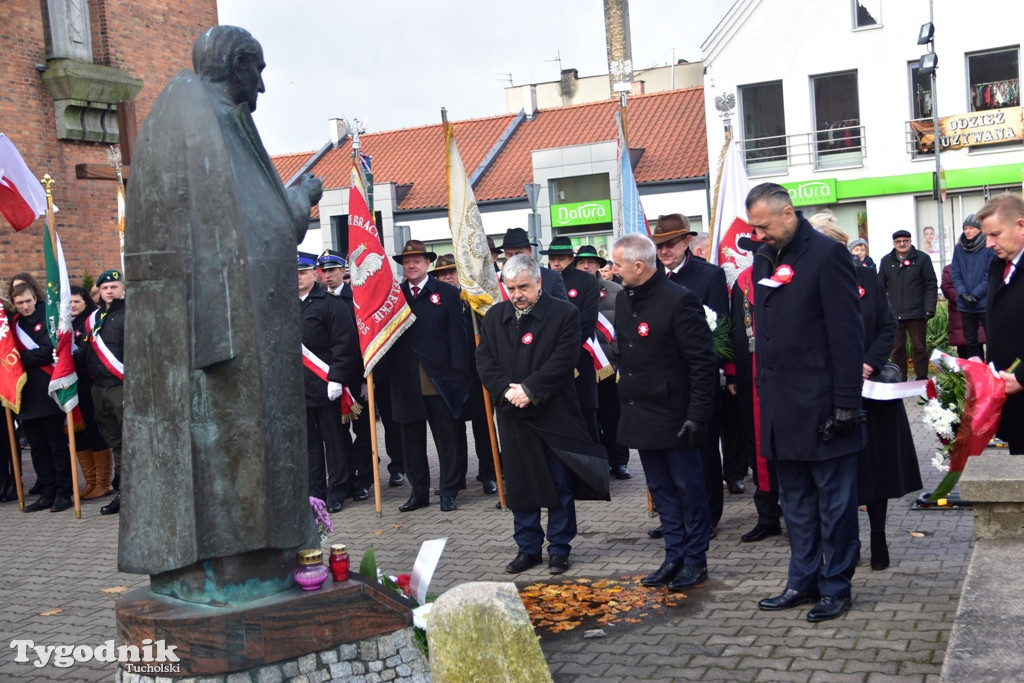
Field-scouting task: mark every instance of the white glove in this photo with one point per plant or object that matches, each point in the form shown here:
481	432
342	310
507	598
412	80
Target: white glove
334	390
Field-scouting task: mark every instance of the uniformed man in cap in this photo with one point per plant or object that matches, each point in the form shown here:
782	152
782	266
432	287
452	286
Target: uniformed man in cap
474	412
105	362
331	360
430	378
584	293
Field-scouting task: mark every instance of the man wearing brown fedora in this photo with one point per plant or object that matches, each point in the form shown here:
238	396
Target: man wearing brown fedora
430	378
671	236
473	412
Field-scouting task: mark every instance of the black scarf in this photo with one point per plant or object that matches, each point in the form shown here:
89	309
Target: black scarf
972	245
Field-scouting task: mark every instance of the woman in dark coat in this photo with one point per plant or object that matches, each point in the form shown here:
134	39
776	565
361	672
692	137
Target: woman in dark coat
887	468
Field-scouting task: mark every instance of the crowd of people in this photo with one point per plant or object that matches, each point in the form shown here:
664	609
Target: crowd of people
591	357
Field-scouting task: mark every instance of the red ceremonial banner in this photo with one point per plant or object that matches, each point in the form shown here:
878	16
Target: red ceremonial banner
382	313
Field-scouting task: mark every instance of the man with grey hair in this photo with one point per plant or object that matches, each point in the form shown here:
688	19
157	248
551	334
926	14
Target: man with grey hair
527	354
668	374
809	355
699	246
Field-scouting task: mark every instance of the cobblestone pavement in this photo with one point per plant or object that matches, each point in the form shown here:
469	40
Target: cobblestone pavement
56	570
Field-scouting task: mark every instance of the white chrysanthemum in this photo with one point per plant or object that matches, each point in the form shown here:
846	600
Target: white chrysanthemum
711	317
939	462
420	616
940	419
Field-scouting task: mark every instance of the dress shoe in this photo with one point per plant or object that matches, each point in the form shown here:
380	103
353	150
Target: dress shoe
414	503
361	493
397	479
736	486
787	599
558	564
666	572
334	506
35	490
42	503
688	577
490	487
448	504
113	507
522	562
879	551
760	532
621	472
61	503
829	607
656	532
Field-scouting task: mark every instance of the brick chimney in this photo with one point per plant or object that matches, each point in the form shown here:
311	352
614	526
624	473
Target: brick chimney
620	53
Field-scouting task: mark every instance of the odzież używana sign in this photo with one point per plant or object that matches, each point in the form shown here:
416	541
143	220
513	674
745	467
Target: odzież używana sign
969	130
581	213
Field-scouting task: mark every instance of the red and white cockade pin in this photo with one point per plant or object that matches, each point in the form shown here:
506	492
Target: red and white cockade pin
860	290
435	299
38	327
783	274
643	329
528	338
906	262
603	293
572	293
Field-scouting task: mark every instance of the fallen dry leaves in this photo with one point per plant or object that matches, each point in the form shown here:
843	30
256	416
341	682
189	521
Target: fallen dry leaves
115	589
51	612
558	607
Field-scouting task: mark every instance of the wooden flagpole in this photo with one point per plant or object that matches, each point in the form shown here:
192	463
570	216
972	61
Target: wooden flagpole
372	417
489	412
15	463
48	184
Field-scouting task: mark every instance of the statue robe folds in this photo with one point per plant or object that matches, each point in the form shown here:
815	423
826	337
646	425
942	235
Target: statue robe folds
214	442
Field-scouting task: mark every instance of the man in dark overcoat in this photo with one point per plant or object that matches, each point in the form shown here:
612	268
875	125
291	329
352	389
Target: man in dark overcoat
668	374
527	354
909	280
809	351
331	344
517	241
430	378
585	295
1002	221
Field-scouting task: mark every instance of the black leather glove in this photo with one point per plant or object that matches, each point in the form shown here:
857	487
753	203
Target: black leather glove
847	419
693	433
968	300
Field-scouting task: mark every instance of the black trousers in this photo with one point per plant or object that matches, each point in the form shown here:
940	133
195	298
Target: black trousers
608	411
736	452
361	463
917	329
711	463
392	430
328	448
972	323
444	428
50	457
482	444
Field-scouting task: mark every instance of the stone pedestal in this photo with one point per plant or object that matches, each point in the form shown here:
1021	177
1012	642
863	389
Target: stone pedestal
212	641
995	484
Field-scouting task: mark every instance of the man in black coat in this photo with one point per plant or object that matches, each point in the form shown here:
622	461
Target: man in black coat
1002	221
430	378
667	378
672	236
909	281
585	295
516	242
527	354
331	359
809	351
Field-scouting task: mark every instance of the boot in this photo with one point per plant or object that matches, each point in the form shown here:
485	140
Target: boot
879	551
85	459
113	507
103	464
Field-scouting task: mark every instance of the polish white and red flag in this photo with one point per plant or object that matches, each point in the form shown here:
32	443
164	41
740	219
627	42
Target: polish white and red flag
22	199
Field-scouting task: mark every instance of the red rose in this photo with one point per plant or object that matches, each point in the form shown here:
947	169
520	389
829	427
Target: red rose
930	390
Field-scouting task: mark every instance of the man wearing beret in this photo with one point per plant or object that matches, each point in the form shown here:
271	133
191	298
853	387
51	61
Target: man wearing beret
430	378
105	363
909	281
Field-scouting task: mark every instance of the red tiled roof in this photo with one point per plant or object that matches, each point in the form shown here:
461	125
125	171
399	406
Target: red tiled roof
415	156
668	125
288	165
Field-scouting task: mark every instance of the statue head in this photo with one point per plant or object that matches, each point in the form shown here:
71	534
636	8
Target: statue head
231	57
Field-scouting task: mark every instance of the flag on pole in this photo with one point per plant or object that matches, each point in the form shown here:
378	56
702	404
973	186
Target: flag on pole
728	223
477	276
382	314
12	372
631	211
22	199
64	381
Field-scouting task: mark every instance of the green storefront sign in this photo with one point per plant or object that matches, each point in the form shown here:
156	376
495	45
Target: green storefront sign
812	192
581	213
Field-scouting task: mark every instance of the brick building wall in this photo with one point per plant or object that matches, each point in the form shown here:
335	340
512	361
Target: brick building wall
151	40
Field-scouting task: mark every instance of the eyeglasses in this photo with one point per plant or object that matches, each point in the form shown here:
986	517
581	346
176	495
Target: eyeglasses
670	244
901	241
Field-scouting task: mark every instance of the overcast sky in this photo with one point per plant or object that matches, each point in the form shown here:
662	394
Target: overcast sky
397	62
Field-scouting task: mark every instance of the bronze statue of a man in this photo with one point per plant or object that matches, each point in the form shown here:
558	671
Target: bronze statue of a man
214	483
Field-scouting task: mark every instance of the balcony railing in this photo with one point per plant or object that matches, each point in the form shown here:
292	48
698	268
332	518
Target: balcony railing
835	147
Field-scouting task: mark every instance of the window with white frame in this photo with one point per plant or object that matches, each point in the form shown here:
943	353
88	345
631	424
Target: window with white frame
993	79
867	13
838	133
764	128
